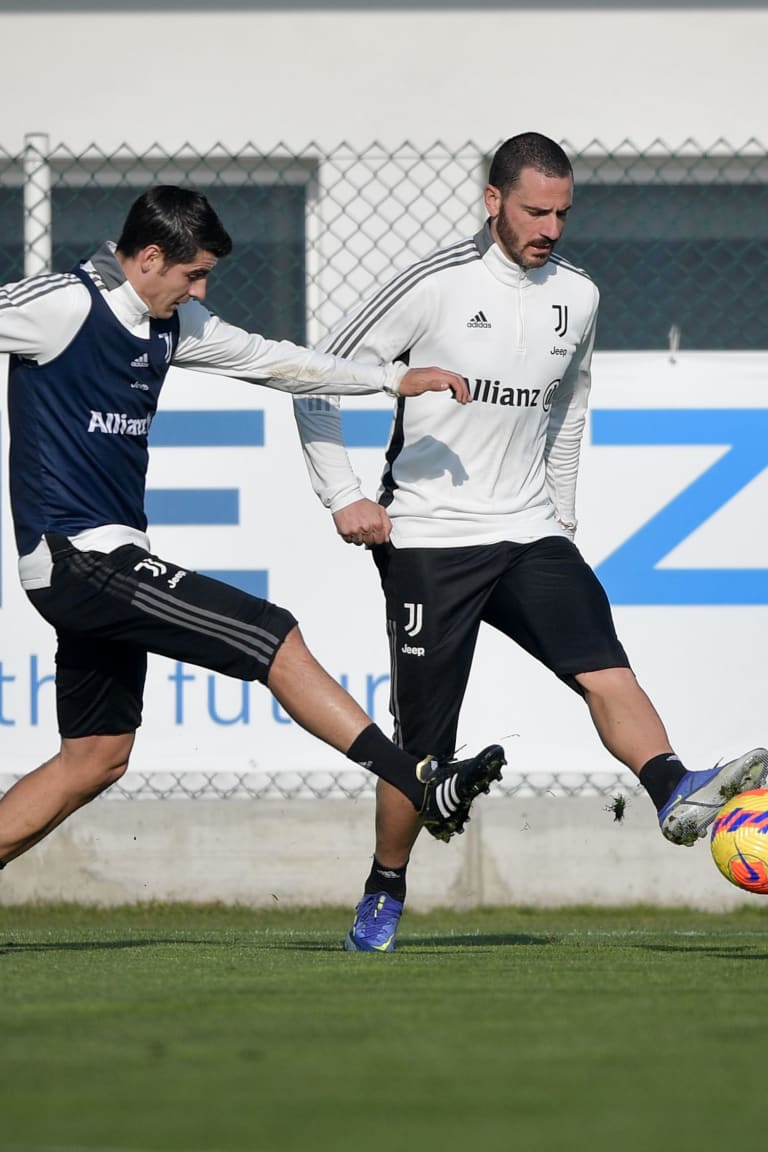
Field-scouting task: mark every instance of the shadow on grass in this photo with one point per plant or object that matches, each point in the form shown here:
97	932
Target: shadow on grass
477	940
11	948
427	943
719	951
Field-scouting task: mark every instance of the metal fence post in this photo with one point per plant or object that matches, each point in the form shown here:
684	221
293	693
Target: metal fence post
38	244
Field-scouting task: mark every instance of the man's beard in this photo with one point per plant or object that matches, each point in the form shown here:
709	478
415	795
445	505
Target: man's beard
512	246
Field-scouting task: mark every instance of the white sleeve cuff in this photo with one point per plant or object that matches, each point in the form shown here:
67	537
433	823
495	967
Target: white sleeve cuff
395	373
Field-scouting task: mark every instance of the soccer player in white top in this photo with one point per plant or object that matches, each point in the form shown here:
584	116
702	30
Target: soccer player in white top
476	513
89	351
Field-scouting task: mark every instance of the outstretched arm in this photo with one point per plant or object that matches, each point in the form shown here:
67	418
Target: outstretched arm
209	344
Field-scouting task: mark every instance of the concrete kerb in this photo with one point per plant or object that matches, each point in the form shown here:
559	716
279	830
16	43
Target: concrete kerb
543	851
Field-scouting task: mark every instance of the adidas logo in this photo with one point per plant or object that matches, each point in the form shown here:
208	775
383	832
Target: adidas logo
479	321
141	361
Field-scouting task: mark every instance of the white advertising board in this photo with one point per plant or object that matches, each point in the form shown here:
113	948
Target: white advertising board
672	499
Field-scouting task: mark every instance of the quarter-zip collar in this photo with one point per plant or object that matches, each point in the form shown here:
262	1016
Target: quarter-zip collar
121	296
497	263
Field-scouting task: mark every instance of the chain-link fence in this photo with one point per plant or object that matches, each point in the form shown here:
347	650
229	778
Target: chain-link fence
674	237
351	784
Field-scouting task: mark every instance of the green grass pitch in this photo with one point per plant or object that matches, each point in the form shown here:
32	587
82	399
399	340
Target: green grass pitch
212	1029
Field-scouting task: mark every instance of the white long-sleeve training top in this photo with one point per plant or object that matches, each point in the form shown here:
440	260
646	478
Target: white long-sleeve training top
44	320
505	466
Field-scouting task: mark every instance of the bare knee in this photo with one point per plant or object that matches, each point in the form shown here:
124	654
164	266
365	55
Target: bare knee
290	659
93	763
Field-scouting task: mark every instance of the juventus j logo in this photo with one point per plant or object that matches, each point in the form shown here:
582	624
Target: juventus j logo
156	567
166	338
415	612
561	324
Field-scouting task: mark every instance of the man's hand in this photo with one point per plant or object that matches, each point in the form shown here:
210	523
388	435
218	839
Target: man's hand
363	522
418	380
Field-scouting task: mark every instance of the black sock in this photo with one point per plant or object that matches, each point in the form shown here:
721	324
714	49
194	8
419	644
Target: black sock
660	776
373	751
389	880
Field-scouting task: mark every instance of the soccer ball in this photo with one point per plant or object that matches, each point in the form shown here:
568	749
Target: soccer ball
739	840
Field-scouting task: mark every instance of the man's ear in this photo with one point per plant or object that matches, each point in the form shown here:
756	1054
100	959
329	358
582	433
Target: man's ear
151	258
492	197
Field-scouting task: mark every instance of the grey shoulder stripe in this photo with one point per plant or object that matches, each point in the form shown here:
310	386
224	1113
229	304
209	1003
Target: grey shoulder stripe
28	290
568	267
97	279
350	336
435	261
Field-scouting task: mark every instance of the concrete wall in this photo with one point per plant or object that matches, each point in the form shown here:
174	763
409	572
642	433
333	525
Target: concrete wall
267	73
543	851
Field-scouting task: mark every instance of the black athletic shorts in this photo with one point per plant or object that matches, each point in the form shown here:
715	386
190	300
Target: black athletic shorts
543	595
110	609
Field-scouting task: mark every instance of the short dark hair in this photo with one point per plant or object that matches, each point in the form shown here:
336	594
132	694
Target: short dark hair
179	221
528	150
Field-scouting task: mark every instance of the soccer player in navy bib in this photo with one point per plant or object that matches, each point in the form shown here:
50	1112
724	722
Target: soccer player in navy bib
89	351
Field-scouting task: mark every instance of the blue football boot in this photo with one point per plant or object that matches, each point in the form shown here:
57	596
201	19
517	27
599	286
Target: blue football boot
375	925
699	796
